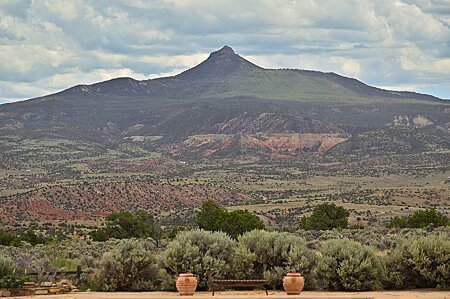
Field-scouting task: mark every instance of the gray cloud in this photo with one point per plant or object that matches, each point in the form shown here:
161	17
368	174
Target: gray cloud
49	45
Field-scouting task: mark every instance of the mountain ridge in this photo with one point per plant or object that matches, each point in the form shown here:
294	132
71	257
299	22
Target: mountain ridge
240	98
225	64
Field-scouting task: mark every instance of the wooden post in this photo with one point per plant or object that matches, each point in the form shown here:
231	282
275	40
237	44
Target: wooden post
78	273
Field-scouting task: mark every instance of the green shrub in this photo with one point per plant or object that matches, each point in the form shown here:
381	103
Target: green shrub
208	255
419	263
349	265
9	239
214	217
61	263
6	266
326	216
32	238
420	219
125	225
9	277
128	267
379	237
10	282
272	255
209	216
237	222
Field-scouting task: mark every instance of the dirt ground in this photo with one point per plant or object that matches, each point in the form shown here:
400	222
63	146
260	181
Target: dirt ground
410	294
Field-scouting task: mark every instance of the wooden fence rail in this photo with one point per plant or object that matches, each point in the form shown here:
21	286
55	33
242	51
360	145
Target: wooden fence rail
77	273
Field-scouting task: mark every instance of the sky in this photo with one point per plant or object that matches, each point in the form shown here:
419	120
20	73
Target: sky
50	45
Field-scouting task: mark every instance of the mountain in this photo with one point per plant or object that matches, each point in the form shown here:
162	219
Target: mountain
228	107
226	74
226	130
220	64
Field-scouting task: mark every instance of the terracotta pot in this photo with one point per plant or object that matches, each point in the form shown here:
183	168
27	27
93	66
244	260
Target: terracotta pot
293	283
186	284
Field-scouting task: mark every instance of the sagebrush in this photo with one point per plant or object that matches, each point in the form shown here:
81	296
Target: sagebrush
208	255
271	255
348	265
128	267
419	263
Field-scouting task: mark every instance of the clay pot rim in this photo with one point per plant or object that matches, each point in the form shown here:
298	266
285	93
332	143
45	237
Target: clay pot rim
295	274
186	275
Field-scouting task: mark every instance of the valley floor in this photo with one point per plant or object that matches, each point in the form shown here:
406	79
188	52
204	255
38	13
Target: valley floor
408	294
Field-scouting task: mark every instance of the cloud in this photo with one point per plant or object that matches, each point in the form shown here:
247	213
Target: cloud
65	10
51	45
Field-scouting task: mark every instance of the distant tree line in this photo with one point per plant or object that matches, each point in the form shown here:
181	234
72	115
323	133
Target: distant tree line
213	217
420	219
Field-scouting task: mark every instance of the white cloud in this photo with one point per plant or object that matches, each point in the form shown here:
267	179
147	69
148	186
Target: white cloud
66	10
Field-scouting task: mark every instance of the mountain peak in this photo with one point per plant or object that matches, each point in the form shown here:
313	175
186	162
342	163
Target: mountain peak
225	50
221	63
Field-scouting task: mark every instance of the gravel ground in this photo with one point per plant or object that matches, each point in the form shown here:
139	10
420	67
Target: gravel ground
410	294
